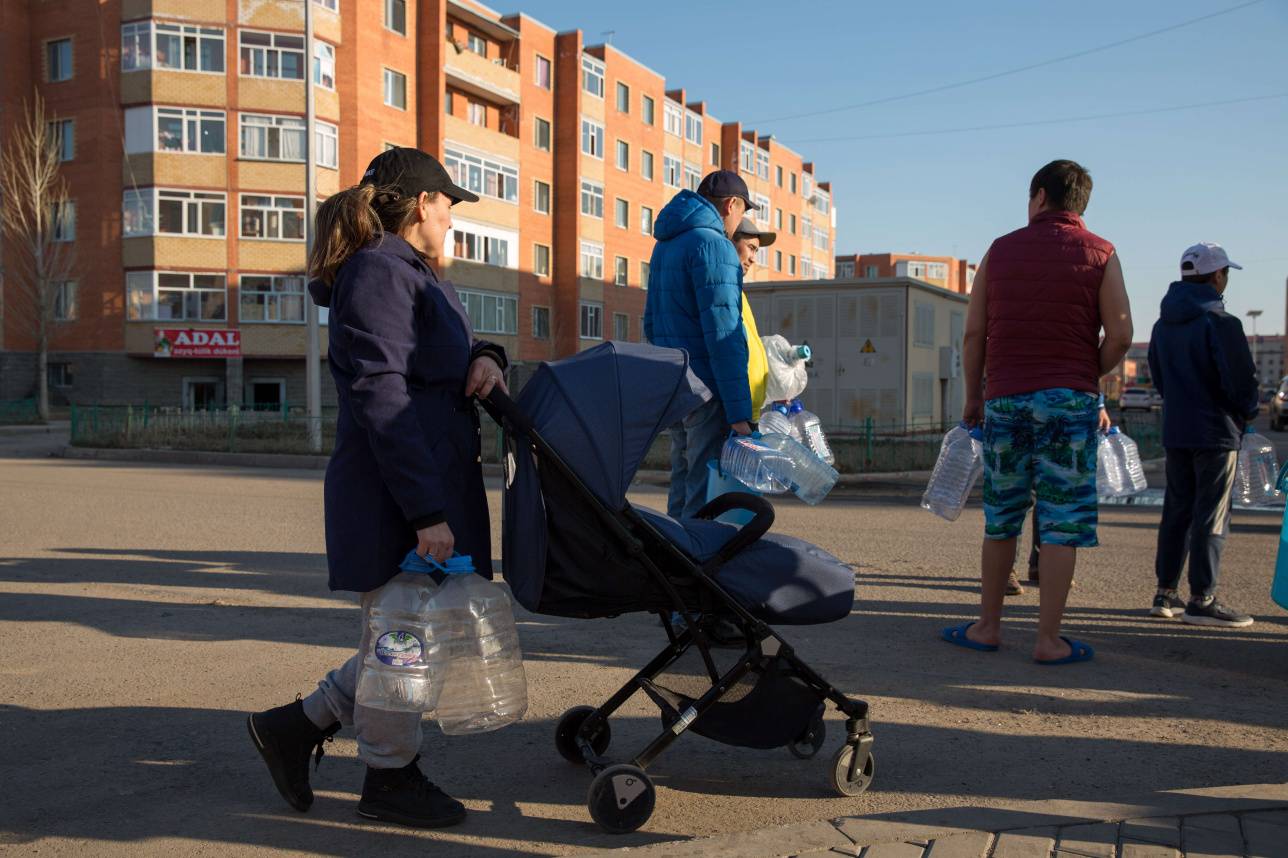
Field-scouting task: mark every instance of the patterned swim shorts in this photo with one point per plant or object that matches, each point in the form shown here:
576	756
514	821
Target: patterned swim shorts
1041	444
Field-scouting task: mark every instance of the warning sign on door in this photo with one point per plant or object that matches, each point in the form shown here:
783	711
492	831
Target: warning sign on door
868	348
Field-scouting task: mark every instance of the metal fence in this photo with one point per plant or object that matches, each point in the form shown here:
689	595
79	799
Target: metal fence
18	411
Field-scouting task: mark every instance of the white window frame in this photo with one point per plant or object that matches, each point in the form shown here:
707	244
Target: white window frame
592	135
192	130
390	8
139	41
145	204
622	155
274	212
62	134
646	220
476	113
269	55
550	72
475	172
590	322
622	213
646	157
389	77
592	76
762	209
537	123
498	312
746	157
483	244
621	271
542	331
672	118
844	270
282	288
591	262
537	269
270	123
476	44
537	185
592	199
672	172
327	139
134	284
693	127
762	164
692	176
324	64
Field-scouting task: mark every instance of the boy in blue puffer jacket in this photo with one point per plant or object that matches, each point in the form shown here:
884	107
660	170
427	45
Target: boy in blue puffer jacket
695	303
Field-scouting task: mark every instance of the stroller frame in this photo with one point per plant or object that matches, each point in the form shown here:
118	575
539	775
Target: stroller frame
622	796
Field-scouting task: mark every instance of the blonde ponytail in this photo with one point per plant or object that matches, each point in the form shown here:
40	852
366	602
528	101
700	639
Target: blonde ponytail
350	220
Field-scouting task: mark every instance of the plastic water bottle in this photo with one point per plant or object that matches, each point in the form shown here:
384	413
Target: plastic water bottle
402	668
747	458
484	687
1109	470
776	420
1256	470
1279	584
810	431
1129	464
960	462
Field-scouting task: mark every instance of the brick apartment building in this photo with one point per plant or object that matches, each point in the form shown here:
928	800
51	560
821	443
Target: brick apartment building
947	272
181	126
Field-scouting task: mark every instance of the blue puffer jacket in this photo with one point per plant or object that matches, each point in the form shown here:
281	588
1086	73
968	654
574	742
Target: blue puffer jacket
695	299
1200	362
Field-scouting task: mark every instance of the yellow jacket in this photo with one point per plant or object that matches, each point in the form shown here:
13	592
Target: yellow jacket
757	363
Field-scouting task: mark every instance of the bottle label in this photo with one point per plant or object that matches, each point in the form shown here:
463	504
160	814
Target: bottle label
399	648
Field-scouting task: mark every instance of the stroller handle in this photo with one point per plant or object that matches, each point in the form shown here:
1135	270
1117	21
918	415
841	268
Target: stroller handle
748	533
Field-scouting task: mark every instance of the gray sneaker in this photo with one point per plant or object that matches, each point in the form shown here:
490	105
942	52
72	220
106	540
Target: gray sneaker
1213	613
1167	604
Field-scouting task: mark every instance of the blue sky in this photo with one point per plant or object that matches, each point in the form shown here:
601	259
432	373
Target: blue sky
1162	181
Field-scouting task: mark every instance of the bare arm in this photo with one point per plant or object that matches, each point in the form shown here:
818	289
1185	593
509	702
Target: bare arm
973	346
1115	316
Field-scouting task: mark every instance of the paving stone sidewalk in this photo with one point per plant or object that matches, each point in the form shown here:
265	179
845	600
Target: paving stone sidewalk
1238	822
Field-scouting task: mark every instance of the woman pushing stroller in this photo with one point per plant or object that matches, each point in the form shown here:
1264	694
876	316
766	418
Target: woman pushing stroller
405	470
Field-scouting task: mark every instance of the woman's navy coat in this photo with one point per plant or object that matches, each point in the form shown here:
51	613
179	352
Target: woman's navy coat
407	439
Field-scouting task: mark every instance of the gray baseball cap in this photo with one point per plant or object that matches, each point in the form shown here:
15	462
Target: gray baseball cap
1204	258
749	229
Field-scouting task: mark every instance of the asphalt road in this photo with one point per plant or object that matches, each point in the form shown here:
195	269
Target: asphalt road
144	610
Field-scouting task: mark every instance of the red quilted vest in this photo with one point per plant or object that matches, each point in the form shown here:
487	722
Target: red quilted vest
1043	285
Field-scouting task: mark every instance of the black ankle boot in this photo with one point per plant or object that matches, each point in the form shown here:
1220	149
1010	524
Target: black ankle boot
407	797
286	738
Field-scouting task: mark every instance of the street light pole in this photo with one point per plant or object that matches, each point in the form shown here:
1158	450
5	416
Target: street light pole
312	356
1253	314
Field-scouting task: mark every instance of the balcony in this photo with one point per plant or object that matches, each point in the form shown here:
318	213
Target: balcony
488	79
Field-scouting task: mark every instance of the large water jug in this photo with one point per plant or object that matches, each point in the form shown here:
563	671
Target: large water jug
484	686
786	377
775	419
402	666
960	462
780	463
1129	464
1109	470
1279	585
1256	470
751	462
809	429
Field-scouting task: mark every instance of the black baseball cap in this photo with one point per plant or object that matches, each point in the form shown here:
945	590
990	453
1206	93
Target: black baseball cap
726	183
412	171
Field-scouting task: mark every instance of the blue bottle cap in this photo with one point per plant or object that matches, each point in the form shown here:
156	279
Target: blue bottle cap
977	432
781	407
796	407
804	353
1113	430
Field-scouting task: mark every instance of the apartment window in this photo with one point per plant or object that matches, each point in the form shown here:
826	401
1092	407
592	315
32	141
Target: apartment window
646	165
924	325
170	129
491	312
176	296
323	64
62	136
483	176
541	197
541	323
592	76
693	127
778	219
791	265
762	209
620	266
272	138
396	16
647	107
778	176
762	257
622	322
449	103
541	260
692	176
822	201
275	55
65	301
592	138
762	164
672	118
271	298
58	55
623	97
807	185
623	155
395	89
271	217
844	269
622	213
778	260
161	211
477	113
541	133
646	220
333	5
326	137
476	44
807	228
793	183
873	272
746	157
820	238
592	199
63	218
592	260
715	154
592	321
178	47
644	275
474	243
543	76
671	174
791	224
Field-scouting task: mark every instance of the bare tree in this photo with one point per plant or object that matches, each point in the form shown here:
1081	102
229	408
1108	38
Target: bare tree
33	217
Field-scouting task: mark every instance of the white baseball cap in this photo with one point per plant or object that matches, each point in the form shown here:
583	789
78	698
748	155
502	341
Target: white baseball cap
1204	258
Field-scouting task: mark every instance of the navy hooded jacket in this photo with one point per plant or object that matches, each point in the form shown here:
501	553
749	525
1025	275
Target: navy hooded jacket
1201	364
695	299
407	440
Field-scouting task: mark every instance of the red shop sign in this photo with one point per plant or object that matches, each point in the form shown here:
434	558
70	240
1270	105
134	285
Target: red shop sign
197	343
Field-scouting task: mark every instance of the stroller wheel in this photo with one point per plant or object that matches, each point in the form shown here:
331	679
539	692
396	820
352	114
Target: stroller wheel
566	734
808	744
840	774
621	799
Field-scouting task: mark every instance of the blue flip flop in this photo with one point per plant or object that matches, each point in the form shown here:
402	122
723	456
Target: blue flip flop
956	635
1080	652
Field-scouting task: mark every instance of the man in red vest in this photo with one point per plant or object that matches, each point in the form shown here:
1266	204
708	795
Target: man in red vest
1041	297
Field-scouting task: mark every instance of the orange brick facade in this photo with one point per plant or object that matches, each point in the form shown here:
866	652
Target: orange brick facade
946	272
505	90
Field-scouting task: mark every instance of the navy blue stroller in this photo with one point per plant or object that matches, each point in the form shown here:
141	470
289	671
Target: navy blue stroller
574	547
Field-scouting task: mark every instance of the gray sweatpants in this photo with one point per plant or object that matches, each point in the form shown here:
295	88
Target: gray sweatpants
386	740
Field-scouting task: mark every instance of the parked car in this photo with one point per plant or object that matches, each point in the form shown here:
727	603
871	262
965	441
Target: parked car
1279	407
1136	399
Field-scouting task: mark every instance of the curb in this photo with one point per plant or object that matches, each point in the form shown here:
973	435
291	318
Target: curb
53	427
284	461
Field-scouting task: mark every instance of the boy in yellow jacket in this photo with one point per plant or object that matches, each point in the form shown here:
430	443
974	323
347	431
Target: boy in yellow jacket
748	240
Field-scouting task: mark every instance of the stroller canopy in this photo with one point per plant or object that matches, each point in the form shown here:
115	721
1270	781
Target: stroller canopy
606	406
